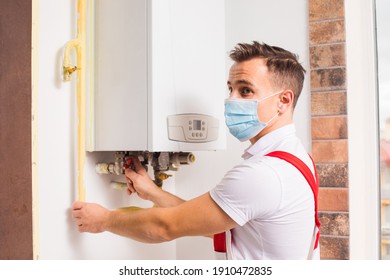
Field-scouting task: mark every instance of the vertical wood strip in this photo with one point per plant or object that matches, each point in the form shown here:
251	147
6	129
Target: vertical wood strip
15	131
34	128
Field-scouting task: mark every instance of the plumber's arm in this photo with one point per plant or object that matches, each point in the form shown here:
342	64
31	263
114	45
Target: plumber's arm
198	217
166	199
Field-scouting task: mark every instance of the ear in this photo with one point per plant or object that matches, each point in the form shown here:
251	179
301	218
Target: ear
286	101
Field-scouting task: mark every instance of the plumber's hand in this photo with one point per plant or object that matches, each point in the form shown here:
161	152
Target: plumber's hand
90	217
139	182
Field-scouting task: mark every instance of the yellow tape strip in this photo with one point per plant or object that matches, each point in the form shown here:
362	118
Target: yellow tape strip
79	44
81	51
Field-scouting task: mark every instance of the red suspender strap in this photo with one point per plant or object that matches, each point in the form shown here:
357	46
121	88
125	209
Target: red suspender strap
302	167
220	242
220	238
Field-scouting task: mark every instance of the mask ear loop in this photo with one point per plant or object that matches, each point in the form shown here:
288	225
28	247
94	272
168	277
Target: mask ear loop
278	113
264	98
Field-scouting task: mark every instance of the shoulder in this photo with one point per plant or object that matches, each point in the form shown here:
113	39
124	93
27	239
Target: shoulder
256	170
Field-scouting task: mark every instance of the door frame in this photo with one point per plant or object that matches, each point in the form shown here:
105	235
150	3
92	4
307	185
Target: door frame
363	131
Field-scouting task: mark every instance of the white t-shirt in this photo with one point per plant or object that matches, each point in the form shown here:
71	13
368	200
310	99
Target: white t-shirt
270	200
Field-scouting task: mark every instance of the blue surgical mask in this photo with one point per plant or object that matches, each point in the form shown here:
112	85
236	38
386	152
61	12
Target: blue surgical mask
241	117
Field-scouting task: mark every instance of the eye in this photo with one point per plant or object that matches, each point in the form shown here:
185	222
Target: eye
246	91
230	89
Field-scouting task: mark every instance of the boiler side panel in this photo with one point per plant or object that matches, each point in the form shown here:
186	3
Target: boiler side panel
120	75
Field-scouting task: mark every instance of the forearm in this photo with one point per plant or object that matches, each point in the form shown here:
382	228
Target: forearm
198	217
144	225
164	199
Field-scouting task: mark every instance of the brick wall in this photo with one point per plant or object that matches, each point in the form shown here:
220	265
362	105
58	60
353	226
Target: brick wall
329	123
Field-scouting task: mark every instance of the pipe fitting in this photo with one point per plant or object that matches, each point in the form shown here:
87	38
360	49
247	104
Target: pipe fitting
180	158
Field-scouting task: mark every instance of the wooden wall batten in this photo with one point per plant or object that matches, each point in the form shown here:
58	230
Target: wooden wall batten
16	239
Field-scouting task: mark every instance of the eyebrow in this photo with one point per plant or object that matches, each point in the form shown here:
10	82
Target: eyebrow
244	82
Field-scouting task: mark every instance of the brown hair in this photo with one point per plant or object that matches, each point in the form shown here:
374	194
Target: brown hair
286	72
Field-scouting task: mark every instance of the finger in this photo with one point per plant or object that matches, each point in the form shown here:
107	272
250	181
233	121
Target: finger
130	187
76	214
81	228
137	164
78	222
77	205
130	174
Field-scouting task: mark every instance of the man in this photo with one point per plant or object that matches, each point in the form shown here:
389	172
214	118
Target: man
264	204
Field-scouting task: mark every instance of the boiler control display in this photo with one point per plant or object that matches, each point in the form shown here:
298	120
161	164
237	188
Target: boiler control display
197	129
197	124
192	128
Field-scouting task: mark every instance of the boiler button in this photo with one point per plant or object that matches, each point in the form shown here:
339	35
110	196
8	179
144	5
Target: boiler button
190	128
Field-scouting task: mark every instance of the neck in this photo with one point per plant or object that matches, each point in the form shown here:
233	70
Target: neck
279	122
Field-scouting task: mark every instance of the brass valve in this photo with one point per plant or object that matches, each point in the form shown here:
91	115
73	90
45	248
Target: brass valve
68	71
159	177
164	176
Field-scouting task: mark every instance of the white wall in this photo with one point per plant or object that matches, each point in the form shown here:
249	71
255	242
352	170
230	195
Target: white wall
57	157
280	22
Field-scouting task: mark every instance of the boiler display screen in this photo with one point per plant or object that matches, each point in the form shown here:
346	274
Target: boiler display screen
197	125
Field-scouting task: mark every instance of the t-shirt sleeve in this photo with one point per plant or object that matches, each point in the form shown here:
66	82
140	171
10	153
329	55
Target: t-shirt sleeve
249	191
